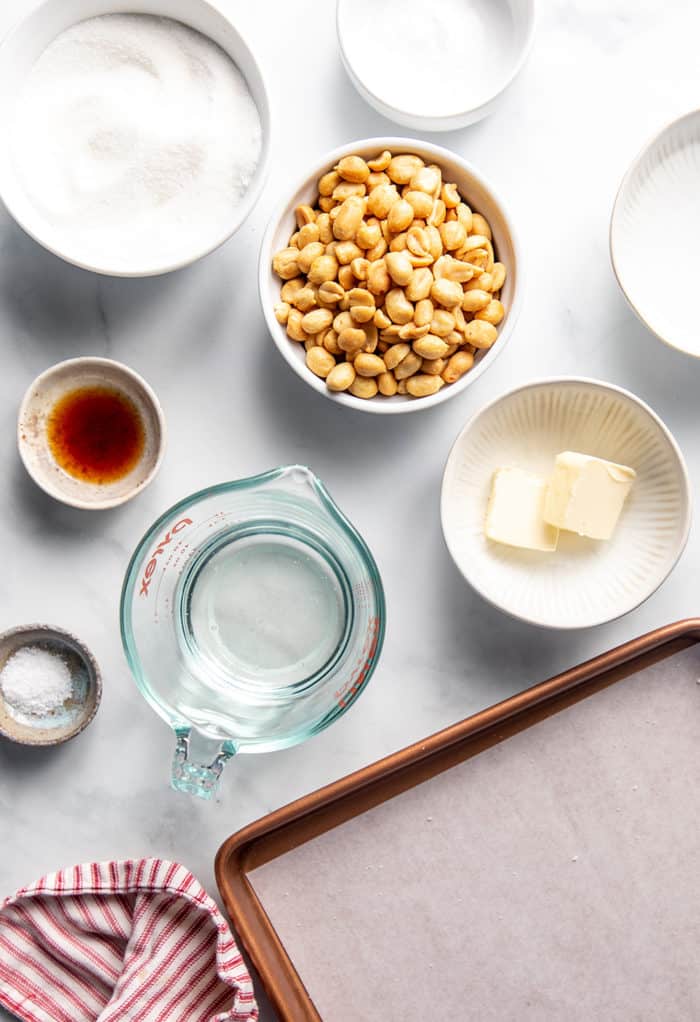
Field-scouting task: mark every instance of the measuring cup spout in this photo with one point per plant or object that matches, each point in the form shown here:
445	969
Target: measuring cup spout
199	778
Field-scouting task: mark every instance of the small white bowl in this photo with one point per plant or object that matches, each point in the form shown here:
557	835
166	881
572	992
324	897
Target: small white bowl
388	75
480	196
585	582
654	224
33	444
20	50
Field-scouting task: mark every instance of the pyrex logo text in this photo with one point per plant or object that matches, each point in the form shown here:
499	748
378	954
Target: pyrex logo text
153	563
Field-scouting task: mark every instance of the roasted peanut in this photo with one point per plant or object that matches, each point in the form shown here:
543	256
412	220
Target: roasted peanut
348	218
426	179
346	278
341	377
408	366
400	216
290	289
423	386
285	263
282	310
352	339
345	189
325	233
328	183
380	162
363	386
304	215
330	291
401	387
434	366
381	320
474	300
305	299
411	332
480	226
378	279
378	251
369	365
438	214
421	202
346	251
327	203
387	384
397	306
446	292
307	255
442	323
316	321
308	233
459	364
375	179
320	361
330	342
498	276
450	196
381	199
368	235
362	313
419	285
352	168
399	267
324	267
294	329
402	168
453	235
492	313
430	347
395	354
465	217
481	334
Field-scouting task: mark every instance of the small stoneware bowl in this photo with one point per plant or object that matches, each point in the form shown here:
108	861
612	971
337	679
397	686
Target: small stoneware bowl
22	47
389	74
32	436
585	582
652	225
77	712
480	196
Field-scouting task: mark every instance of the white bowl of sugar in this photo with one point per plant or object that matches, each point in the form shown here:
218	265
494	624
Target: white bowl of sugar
136	135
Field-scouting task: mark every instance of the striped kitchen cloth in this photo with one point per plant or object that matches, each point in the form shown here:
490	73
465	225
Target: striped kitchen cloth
134	941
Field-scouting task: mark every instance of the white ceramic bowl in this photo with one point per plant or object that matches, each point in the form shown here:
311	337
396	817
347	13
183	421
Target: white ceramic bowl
654	226
477	192
500	34
19	51
33	444
585	582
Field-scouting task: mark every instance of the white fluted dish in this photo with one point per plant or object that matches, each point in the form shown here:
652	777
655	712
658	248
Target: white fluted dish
654	230
585	582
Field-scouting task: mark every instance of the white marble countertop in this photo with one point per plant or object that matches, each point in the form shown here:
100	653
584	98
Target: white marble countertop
604	75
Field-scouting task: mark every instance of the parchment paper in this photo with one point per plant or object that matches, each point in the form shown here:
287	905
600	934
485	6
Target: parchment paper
555	876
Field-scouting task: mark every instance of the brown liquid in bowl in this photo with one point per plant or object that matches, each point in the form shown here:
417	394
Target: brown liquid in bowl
96	434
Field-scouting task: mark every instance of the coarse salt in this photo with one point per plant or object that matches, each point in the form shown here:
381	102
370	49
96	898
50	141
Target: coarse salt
35	682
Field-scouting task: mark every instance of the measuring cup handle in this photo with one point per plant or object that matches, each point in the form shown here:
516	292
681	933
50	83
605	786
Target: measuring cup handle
199	778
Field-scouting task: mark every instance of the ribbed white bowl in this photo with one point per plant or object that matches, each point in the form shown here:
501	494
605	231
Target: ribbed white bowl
654	234
585	582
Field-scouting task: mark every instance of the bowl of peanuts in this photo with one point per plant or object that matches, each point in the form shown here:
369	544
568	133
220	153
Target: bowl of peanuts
390	278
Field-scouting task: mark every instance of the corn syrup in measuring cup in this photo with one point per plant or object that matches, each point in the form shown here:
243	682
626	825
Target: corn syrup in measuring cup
252	617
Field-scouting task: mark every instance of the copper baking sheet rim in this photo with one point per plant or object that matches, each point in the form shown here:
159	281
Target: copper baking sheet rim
314	814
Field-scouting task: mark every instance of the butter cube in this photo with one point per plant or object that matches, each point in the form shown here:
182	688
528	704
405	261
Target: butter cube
515	511
586	494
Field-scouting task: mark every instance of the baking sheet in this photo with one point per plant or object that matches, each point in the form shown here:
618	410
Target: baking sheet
553	876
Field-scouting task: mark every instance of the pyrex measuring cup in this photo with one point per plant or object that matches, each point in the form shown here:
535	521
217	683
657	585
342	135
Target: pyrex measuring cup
252	616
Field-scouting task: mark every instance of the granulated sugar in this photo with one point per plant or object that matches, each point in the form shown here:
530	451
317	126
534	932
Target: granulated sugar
136	138
35	682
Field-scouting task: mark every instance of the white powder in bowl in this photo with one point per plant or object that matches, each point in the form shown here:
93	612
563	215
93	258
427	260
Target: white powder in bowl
135	139
432	59
35	682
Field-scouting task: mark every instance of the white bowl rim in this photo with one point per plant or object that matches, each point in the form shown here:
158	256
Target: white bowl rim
587	381
386	406
622	188
425	120
125	370
250	198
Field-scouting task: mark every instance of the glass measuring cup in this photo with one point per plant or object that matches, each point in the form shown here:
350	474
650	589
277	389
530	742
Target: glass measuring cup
252	616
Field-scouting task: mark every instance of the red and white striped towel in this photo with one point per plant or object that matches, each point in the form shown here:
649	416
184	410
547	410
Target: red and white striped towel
133	941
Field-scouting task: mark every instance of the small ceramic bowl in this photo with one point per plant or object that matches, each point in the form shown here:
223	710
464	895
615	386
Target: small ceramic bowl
32	438
585	582
476	191
18	53
388	74
75	714
652	222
